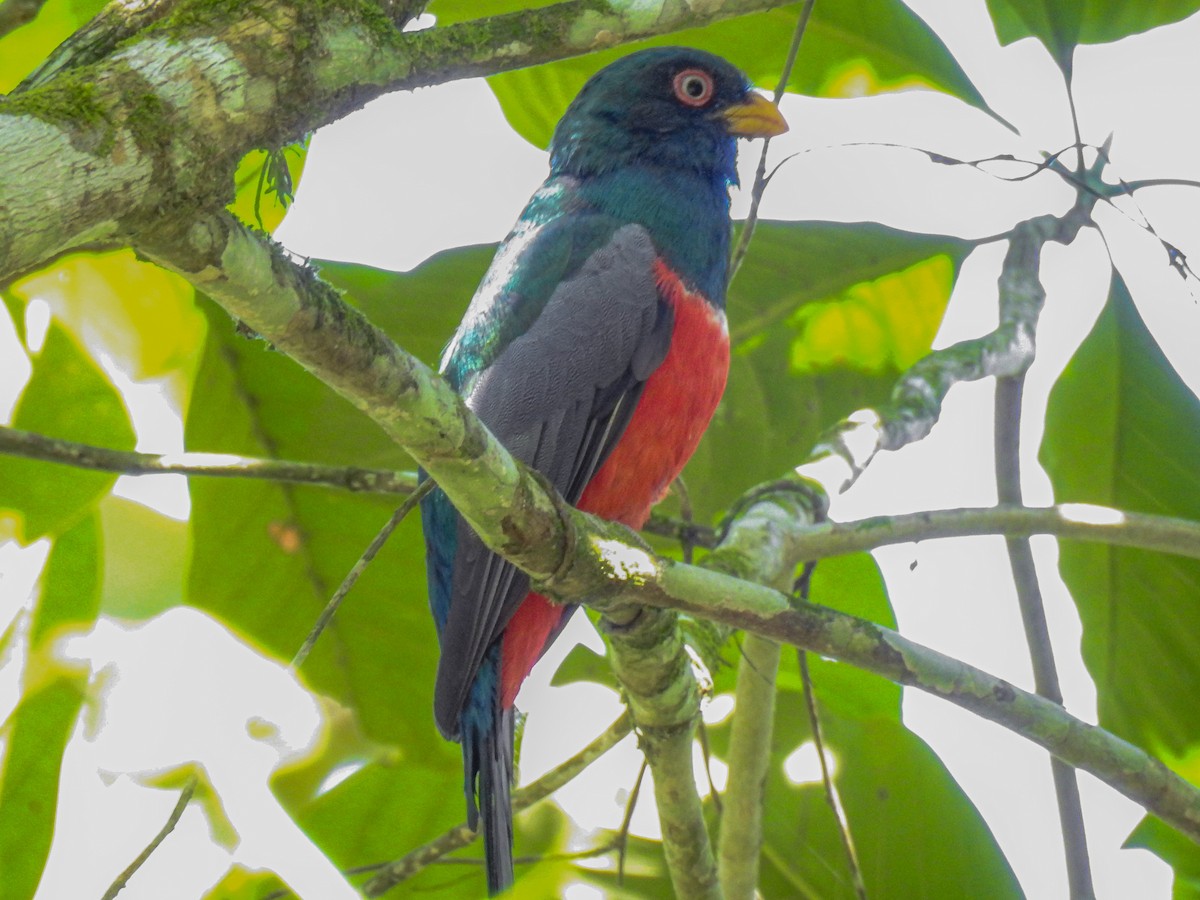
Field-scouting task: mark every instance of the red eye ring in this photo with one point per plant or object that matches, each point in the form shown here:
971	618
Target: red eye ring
693	87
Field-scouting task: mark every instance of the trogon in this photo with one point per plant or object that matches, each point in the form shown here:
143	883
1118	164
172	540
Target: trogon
595	349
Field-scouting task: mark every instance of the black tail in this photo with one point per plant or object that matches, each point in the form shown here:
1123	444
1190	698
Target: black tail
492	759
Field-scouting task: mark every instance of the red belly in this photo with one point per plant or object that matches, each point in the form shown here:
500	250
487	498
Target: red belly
675	407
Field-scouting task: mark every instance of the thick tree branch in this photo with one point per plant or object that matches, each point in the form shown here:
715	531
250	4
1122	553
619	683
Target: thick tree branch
749	759
28	445
153	130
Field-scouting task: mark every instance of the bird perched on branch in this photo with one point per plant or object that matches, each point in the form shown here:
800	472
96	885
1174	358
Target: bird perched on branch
595	350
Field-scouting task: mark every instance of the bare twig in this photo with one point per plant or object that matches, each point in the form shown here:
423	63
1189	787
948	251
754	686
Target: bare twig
392	873
761	179
359	567
185	797
622	840
831	794
27	444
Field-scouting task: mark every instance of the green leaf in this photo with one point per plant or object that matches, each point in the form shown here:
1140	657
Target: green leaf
849	50
889	781
15	307
419	800
241	883
36	733
69	397
265	183
267	557
1123	430
221	830
584	664
1061	24
797	368
1179	852
145	555
142	316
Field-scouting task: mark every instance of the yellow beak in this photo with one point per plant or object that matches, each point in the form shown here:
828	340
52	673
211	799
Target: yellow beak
756	116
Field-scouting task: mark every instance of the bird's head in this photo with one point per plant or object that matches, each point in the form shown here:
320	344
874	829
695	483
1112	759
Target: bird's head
670	106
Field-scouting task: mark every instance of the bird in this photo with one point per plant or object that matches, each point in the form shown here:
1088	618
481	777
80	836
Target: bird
596	350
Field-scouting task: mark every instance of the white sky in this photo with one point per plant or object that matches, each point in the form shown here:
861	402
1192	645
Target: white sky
442	169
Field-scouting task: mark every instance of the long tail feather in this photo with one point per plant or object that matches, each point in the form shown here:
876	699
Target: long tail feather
488	767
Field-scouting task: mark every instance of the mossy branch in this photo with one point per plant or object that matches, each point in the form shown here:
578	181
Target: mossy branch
142	118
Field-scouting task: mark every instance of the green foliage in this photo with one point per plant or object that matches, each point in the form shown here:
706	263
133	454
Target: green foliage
1123	430
1172	847
802	359
889	780
823	318
1061	25
36	733
68	397
849	50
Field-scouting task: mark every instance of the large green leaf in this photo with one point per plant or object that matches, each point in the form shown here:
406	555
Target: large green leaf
890	782
823	317
69	397
266	557
850	48
36	733
140	315
1175	849
1123	430
1061	24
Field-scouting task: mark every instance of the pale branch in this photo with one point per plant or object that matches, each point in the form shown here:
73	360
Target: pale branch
740	843
653	668
1008	404
117	127
867	645
390	874
1082	522
754	537
29	445
571	555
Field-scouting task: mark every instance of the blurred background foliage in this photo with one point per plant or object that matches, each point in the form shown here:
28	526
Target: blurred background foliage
824	317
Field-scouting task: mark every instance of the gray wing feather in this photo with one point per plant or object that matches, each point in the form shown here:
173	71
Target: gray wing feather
558	397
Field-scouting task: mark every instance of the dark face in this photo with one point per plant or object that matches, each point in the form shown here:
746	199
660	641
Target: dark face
668	94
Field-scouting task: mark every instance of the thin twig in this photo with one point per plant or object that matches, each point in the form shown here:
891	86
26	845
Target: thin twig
706	752
29	445
359	567
760	176
622	840
686	513
392	873
831	794
1037	632
185	797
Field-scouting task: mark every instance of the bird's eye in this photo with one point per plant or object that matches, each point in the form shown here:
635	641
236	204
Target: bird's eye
693	87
